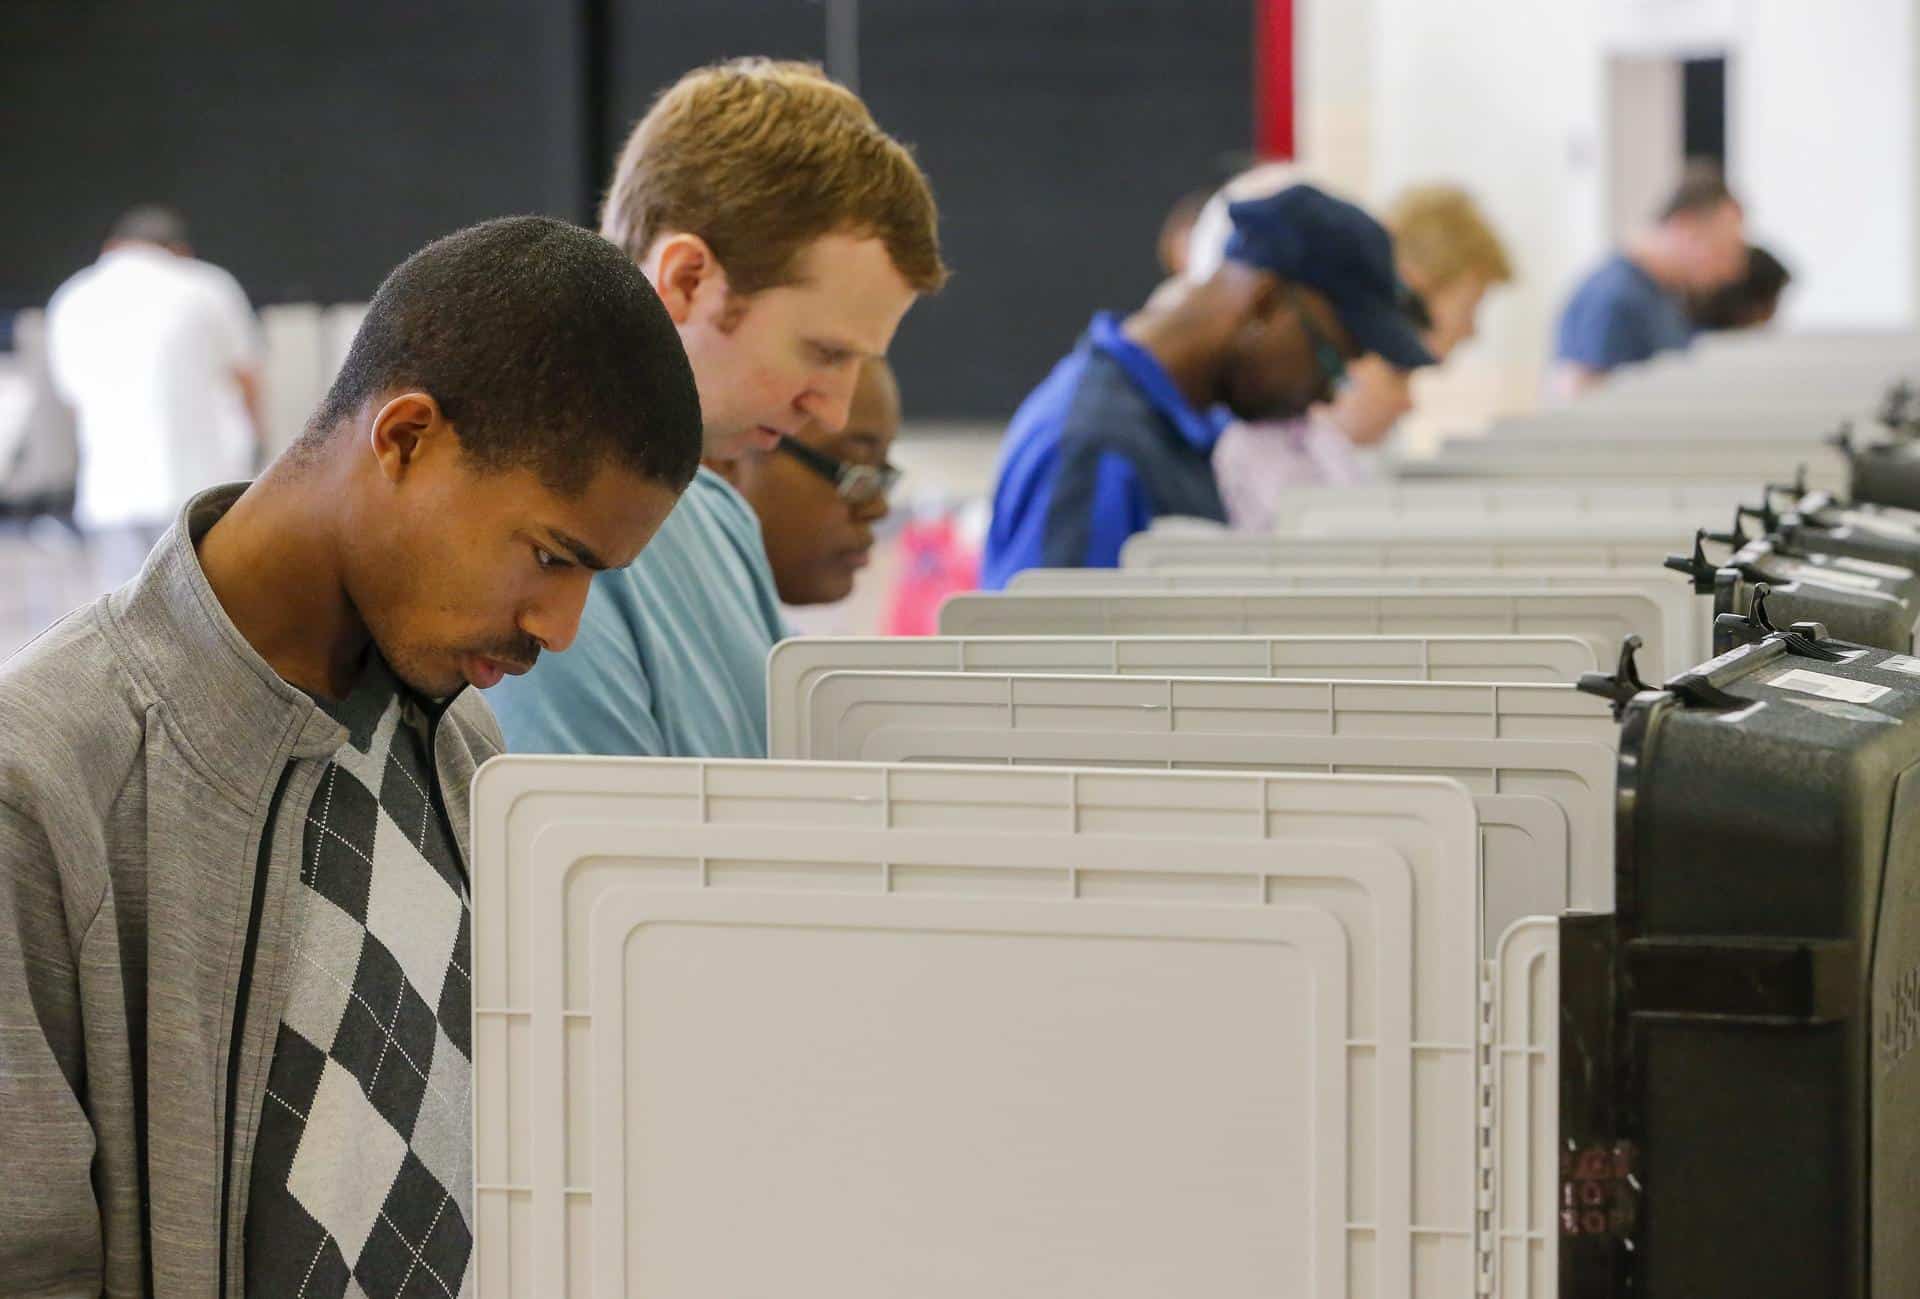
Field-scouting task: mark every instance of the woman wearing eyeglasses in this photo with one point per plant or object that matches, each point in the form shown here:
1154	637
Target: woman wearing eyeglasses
820	494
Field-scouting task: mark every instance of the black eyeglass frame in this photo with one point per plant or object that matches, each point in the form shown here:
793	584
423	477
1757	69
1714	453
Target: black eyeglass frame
1327	358
855	484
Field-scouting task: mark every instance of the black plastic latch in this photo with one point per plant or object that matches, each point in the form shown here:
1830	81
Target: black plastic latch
1698	568
1620	688
1777	981
1896	410
1801	639
1795	491
1768	516
1697	690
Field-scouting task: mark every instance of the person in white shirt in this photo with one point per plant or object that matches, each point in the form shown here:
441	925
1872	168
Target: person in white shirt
158	354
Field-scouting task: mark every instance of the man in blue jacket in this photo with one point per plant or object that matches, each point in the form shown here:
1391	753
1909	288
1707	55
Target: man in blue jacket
1122	432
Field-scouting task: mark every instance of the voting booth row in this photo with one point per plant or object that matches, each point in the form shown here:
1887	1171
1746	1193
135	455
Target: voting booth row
1481	887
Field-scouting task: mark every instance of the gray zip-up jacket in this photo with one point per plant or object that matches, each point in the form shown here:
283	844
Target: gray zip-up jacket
145	750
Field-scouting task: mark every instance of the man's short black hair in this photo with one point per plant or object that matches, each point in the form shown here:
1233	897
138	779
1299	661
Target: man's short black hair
1702	188
545	348
1749	299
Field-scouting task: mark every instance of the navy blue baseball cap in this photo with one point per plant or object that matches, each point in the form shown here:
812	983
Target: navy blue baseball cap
1312	238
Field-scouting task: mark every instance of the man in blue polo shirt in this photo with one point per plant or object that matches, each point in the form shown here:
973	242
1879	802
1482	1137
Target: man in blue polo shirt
1122	432
1633	306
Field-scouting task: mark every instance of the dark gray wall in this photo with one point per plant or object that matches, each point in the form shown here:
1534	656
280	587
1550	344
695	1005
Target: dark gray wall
314	146
1057	134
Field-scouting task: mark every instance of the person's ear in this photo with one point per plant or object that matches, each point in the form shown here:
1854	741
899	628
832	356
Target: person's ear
1269	298
685	272
403	430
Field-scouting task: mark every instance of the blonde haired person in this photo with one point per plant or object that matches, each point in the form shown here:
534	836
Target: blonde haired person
787	235
1448	256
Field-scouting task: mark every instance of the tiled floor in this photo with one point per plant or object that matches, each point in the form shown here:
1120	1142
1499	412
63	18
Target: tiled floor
44	573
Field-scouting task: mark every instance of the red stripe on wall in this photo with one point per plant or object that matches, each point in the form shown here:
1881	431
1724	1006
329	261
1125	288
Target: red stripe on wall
1273	81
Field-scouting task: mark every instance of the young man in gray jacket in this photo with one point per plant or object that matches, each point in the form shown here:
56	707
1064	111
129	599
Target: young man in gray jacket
234	1010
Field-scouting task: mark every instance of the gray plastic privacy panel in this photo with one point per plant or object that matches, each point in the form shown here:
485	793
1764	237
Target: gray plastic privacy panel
1599	617
1761	461
752	1028
1429	549
1495	508
1524	1223
1685	615
1540	759
796	664
1653	429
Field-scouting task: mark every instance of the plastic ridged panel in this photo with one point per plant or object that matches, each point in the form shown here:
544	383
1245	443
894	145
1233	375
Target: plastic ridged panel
1684	617
1761	461
1580	546
795	664
1524	1163
1540	759
1601	618
1496	508
1696	427
1235	574
756	1027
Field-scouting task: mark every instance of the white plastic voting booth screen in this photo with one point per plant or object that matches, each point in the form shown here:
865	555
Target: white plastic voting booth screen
1601	618
1539	759
796	664
1430	547
1700	425
759	1028
1497	507
1433	545
1685	618
1526	1103
1759	462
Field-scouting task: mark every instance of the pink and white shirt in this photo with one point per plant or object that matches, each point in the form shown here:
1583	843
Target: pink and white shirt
1254	462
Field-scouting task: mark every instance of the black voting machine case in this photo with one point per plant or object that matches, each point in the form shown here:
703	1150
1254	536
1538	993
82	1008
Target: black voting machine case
1865	601
1817	524
1886	472
1740	1094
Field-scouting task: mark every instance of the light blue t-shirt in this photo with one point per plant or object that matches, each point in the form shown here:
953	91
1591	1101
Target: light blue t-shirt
671	659
1620	316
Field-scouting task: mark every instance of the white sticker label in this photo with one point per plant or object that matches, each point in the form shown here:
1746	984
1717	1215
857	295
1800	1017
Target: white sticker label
1892	572
1901	663
1816	683
1831	580
1882	525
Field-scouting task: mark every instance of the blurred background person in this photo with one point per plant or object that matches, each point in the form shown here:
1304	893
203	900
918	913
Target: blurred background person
1449	256
820	494
1212	227
1633	306
158	354
1750	301
1176	231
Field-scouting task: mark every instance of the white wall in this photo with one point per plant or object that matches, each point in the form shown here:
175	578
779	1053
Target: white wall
1510	99
1333	58
1645	96
1501	96
1823	135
